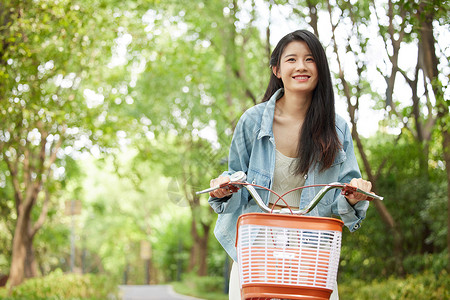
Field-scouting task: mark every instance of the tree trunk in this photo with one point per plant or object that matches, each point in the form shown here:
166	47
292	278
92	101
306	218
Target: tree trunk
429	62
26	192
446	147
21	242
31	266
23	263
268	46
203	251
199	250
313	14
193	259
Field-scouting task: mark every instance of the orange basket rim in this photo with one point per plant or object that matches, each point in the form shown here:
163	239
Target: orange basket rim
295	218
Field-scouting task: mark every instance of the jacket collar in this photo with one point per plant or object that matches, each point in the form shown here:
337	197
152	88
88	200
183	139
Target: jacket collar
268	114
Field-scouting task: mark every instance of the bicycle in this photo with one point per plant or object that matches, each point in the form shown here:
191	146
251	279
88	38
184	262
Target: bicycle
283	254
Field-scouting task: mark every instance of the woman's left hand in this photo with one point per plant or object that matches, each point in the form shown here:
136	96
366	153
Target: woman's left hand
361	184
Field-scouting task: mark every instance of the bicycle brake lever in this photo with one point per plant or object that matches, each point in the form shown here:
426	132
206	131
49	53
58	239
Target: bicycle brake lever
238	176
349	189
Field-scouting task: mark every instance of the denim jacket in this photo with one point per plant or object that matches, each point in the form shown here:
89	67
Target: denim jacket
252	150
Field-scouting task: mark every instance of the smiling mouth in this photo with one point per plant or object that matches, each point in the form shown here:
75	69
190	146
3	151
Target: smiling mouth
302	77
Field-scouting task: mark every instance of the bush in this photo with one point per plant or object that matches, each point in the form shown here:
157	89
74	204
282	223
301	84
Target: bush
433	263
59	286
205	287
427	286
209	284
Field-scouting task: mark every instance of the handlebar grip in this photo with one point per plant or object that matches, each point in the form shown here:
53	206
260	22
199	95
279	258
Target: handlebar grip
237	177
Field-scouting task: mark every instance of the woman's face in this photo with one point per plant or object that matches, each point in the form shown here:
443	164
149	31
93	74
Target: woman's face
297	69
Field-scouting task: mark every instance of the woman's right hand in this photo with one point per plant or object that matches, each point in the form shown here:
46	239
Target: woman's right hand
219	193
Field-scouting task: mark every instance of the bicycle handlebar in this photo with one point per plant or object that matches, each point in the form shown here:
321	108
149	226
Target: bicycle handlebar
239	178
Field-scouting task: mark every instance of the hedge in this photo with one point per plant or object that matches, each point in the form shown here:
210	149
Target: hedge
59	286
427	286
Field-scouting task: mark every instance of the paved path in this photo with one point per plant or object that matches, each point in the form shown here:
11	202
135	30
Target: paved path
151	292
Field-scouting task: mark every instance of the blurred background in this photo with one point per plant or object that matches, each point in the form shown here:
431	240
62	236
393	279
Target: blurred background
113	113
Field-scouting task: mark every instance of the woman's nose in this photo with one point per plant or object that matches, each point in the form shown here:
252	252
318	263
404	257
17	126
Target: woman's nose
300	65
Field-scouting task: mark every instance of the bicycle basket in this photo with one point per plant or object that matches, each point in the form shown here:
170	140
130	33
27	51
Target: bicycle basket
287	256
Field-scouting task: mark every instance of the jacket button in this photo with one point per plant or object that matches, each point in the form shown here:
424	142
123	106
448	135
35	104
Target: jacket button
306	176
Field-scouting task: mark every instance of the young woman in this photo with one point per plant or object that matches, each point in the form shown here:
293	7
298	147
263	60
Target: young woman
293	138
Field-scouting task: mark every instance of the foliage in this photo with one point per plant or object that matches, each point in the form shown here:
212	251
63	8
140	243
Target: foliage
171	242
52	245
432	263
119	214
54	105
206	287
426	286
204	284
434	216
196	57
49	72
207	85
418	205
58	286
422	286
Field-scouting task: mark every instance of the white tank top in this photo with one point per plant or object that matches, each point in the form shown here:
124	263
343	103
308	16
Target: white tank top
285	180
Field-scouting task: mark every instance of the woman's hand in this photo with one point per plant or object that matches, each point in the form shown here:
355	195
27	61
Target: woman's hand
219	193
361	184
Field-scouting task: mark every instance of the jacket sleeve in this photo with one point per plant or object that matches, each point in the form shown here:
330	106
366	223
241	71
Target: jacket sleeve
238	160
352	216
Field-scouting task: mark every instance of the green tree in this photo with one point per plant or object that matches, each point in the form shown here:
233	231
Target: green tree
208	61
53	104
118	215
404	27
415	24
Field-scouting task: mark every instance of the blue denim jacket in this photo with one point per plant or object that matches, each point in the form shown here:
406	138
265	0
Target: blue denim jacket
252	150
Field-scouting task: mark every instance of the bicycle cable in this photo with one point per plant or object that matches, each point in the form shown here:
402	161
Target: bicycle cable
281	197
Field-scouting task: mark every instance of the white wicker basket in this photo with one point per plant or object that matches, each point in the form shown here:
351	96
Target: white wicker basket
287	256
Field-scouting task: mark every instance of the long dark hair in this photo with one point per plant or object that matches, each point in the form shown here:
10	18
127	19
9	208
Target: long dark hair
318	142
